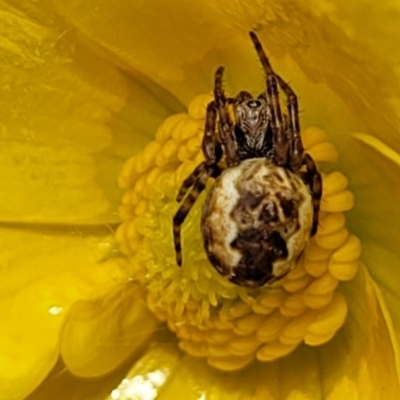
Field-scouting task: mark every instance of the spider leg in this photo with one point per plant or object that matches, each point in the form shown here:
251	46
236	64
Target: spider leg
195	183
211	148
225	123
198	186
188	183
313	178
296	145
278	126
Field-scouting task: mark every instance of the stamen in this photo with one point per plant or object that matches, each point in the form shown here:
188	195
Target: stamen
227	324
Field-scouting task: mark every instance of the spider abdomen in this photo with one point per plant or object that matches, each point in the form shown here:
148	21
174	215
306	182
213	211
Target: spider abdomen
256	222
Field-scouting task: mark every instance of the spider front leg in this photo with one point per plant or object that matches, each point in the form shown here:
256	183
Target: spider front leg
225	123
292	144
314	180
278	125
296	150
195	183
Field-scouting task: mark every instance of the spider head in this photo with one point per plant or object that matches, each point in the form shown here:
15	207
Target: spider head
252	117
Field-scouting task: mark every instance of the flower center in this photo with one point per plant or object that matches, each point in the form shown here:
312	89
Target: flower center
213	318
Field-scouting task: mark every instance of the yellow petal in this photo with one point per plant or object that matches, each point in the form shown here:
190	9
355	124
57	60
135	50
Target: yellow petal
311	50
376	216
67	123
374	347
43	272
188	49
62	385
100	334
148	43
149	376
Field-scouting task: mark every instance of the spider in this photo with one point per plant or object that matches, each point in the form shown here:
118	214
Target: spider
269	189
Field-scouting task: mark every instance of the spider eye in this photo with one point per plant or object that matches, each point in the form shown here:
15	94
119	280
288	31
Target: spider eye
254	103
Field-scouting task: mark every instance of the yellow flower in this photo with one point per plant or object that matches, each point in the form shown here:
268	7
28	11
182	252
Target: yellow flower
84	85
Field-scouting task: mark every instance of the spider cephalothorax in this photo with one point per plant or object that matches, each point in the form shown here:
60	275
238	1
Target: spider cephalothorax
259	214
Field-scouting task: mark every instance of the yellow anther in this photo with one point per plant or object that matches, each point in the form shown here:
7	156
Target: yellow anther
317	340
258	308
248	324
331	317
292	312
185	129
131	198
222	325
193	145
144	160
293	286
241	346
275	350
297	327
331	223
153	174
271	298
141	207
289	341
271	326
340	202
141	187
317	301
344	271
165	130
197	108
227	324
316	268
184	153
168	153
125	177
239	310
312	136
220	337
323	285
324	152
351	250
293	304
334	183
333	240
297	273
218	350
316	253
231	363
